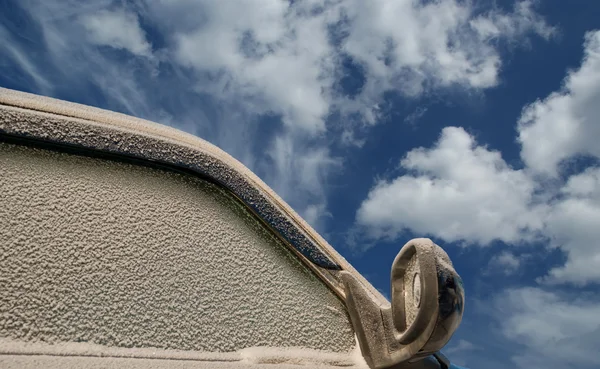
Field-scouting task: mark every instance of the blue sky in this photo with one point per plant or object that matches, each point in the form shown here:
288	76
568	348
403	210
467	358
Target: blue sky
470	122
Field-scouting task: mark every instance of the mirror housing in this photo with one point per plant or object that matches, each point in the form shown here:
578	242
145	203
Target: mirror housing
426	308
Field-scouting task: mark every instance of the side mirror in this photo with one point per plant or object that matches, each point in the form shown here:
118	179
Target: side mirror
426	308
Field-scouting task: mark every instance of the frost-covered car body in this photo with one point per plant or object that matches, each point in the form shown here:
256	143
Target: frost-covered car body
125	243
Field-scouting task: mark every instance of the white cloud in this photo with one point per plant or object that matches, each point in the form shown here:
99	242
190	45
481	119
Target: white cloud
457	191
282	59
460	346
554	330
411	46
524	19
506	261
460	191
573	225
117	28
565	123
553	130
413	117
267	53
459	351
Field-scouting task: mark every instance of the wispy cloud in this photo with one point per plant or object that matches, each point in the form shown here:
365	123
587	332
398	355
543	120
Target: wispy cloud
119	29
414	117
13	53
461	346
555	329
507	262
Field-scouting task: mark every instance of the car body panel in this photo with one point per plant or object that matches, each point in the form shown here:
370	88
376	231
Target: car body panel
134	241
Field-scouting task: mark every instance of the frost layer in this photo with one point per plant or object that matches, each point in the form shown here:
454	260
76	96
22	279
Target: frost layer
121	255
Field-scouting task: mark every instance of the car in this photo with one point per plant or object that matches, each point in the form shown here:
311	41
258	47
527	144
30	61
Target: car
129	244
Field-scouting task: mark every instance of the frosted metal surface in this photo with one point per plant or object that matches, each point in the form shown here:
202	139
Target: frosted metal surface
79	355
126	256
58	362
